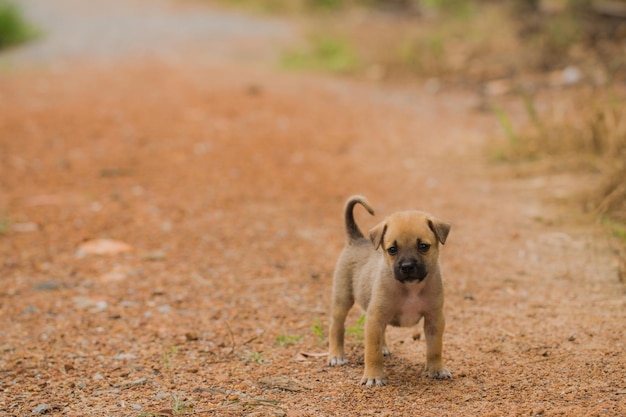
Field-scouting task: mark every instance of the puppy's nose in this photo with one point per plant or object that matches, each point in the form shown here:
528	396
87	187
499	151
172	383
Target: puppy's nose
407	267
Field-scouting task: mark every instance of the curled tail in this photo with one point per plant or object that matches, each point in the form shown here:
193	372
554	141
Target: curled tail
352	229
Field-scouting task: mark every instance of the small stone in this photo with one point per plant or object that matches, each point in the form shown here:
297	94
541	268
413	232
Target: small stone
571	75
137	382
499	87
432	85
124	356
42	409
102	247
94	306
24	227
47	286
191	336
125	303
164	309
153	256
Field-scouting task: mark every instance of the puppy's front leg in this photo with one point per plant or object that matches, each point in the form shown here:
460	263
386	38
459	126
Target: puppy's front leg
374	341
434	325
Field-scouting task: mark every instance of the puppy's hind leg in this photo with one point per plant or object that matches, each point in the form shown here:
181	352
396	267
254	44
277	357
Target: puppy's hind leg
342	302
336	354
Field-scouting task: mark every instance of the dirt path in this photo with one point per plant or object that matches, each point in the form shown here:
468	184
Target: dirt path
228	182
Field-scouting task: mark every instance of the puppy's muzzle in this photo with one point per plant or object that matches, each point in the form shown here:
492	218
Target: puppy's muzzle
410	270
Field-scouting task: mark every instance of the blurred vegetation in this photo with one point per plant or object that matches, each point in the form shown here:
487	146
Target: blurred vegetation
323	53
13	27
509	49
584	130
462	42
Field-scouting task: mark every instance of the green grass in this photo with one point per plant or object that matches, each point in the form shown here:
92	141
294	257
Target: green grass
325	53
506	125
618	229
179	407
167	356
286	340
454	7
292	6
318	330
357	331
14	29
256	357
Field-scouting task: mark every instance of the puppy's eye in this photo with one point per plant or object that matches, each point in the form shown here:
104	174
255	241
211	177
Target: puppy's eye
393	250
423	247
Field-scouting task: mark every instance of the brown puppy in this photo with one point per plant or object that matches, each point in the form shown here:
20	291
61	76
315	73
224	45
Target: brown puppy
395	277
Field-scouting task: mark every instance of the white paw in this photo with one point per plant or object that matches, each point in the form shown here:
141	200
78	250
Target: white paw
440	374
337	360
373	381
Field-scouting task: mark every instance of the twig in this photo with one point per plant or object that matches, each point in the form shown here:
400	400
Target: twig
232	338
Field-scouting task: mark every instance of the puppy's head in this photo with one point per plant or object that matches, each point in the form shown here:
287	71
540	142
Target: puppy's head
410	243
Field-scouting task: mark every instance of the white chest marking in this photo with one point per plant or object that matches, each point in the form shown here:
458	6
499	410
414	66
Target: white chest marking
410	309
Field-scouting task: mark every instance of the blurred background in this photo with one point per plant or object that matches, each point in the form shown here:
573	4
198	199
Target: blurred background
563	61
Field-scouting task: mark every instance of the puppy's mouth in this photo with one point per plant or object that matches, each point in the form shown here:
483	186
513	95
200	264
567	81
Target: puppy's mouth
410	271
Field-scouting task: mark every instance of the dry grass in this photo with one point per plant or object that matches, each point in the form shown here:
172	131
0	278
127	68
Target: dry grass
583	130
400	47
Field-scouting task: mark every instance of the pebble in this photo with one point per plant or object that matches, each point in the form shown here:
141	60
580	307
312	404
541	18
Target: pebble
24	227
191	336
136	382
124	356
164	309
153	256
47	286
42	409
102	247
94	306
125	303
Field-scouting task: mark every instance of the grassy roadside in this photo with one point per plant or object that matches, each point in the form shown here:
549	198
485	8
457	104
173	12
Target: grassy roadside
14	29
580	131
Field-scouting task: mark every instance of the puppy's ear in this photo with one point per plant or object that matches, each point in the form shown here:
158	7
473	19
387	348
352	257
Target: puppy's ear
440	229
377	233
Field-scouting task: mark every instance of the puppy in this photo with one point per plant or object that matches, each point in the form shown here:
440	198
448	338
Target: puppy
395	277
